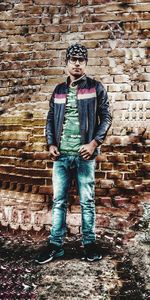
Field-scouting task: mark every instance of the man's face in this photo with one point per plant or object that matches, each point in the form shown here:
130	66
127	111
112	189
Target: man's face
76	66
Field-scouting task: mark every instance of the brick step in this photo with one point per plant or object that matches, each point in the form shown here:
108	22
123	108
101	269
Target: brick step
13	120
22	121
15	135
28	163
121	148
47	190
9	128
7	169
19	187
22	179
13	144
111	218
37	139
10	152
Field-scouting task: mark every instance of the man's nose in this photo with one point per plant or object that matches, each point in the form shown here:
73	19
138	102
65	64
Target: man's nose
77	62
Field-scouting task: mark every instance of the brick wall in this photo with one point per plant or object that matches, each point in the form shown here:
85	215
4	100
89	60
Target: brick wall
34	36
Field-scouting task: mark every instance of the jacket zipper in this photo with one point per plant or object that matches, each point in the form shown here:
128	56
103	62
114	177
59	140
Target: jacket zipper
62	120
79	115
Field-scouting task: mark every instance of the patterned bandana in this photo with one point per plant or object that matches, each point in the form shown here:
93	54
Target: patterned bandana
76	50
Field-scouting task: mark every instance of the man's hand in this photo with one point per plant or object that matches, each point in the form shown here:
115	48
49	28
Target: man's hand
54	153
87	150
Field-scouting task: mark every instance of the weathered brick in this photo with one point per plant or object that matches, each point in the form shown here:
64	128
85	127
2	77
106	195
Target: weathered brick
106	183
102	221
121	224
147	158
36	10
84	2
141	7
35	147
138	96
120	201
59	2
114	175
146	167
106	166
90	44
21	179
134	157
111	7
144	25
114	191
117	158
121	78
45	190
97	35
126	184
101	158
14	136
106	201
97	70
100	192
56	28
130	175
74	219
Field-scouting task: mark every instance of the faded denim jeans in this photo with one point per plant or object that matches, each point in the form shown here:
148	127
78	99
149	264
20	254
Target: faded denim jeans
84	171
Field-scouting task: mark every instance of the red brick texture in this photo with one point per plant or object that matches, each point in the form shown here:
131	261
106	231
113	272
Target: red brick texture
33	37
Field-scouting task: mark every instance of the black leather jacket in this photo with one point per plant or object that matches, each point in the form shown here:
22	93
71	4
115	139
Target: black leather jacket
93	108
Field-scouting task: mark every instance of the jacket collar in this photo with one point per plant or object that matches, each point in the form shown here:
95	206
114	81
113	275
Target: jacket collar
76	82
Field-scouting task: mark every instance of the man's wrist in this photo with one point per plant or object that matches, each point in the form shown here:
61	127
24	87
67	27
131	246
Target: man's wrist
94	143
98	142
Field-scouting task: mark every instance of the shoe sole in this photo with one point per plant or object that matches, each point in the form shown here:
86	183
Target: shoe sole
50	259
92	259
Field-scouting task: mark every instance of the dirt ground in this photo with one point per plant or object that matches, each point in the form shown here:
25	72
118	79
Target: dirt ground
122	274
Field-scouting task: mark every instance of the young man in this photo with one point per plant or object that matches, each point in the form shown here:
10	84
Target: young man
77	123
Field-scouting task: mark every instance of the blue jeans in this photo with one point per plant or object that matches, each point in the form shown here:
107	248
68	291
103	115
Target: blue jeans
84	171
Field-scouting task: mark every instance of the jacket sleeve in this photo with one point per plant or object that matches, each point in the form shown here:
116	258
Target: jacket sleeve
50	127
103	114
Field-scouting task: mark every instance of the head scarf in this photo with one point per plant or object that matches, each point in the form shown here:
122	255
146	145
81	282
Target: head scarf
77	50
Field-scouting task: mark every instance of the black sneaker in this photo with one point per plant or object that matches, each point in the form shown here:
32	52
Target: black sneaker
91	252
48	253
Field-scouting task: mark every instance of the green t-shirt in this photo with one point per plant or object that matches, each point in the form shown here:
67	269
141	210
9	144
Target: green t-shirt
71	138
